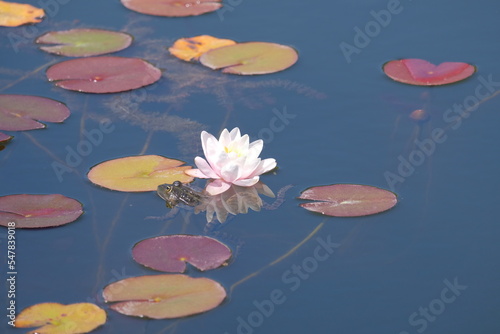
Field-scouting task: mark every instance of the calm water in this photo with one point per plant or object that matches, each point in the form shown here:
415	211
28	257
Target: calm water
428	265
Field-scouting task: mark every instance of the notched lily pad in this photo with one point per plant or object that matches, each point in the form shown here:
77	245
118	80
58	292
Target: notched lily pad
105	74
172	8
164	296
348	200
250	58
20	112
84	42
55	318
37	211
171	252
422	73
138	173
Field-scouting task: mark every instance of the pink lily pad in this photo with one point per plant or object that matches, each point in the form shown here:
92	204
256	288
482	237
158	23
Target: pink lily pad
4	137
173	7
20	112
348	200
84	42
171	252
164	296
421	72
103	74
250	58
37	211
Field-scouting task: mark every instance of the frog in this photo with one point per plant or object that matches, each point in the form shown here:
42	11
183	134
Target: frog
178	193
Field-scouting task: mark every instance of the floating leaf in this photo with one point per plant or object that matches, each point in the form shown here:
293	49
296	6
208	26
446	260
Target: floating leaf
250	58
16	14
37	211
421	72
192	48
138	173
4	137
164	296
348	200
55	318
84	42
172	7
103	74
18	112
171	252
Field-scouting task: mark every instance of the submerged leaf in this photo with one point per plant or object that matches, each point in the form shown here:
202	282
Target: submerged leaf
104	74
192	48
138	173
421	72
348	200
55	318
37	211
164	296
16	14
250	58
19	112
84	42
172	7
171	252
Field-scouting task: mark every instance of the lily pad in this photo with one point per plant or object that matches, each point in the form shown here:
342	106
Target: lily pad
55	318
16	14
171	252
421	72
172	8
348	200
138	173
164	296
192	48
4	137
37	211
19	112
250	58
84	42
105	74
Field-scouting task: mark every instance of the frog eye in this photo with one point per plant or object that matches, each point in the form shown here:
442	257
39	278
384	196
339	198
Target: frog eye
168	188
177	184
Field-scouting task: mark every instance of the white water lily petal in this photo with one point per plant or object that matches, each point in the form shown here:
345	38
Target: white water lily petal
205	168
265	166
196	173
247	182
217	187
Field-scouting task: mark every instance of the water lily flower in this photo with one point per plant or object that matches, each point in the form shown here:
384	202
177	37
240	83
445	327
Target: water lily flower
230	160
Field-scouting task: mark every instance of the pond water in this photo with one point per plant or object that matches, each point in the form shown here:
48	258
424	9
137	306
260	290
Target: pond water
428	265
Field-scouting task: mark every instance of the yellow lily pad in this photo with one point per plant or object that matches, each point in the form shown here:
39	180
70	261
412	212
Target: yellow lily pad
55	318
192	48
15	14
138	173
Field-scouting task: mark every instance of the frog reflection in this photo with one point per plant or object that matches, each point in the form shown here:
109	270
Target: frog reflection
177	193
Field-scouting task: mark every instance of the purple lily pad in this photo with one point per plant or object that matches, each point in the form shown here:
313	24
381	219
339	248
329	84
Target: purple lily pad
104	74
171	252
250	58
20	112
84	42
173	8
4	137
348	200
38	211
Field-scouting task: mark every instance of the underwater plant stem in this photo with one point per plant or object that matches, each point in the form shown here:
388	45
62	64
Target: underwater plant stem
27	75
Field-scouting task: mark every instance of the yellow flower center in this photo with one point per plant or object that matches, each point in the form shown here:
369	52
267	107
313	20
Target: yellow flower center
230	150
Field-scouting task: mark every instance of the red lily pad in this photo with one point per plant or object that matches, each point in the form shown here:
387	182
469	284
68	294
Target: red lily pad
171	252
4	137
20	112
348	200
105	74
37	211
164	296
84	42
172	7
250	58
421	72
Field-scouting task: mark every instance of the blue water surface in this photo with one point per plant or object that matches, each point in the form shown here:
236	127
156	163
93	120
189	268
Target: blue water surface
429	265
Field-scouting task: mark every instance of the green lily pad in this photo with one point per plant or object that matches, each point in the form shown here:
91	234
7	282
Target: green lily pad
164	296
172	8
250	58
84	42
